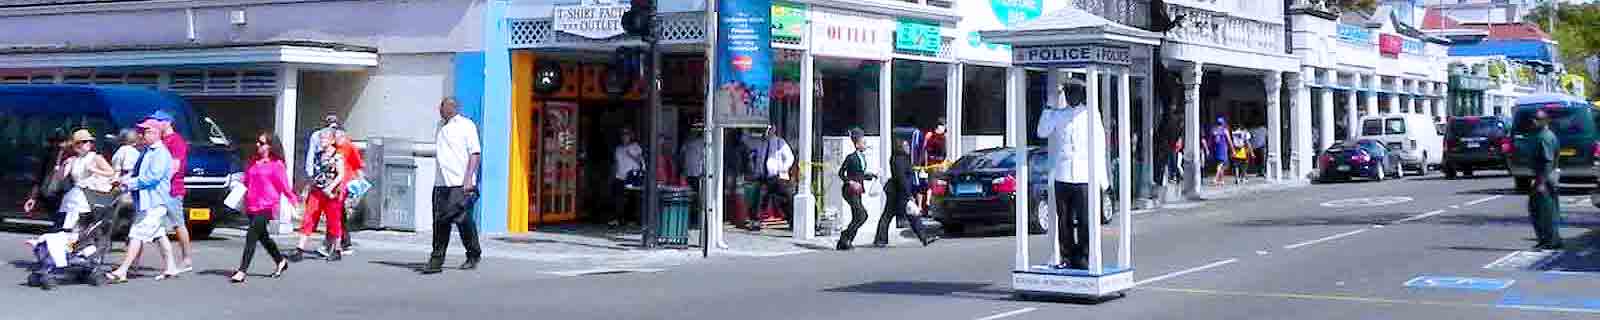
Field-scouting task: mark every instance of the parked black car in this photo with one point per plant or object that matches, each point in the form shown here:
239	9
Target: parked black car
981	189
1365	158
1474	143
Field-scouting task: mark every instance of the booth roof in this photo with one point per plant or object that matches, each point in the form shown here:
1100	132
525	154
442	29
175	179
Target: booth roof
1070	20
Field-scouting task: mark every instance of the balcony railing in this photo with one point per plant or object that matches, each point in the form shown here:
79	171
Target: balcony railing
947	4
1133	13
1221	29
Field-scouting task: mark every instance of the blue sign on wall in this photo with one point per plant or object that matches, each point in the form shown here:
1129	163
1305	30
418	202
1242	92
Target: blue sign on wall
744	61
1355	34
1481	284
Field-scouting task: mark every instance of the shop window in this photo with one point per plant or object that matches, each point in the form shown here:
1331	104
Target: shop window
919	94
983	101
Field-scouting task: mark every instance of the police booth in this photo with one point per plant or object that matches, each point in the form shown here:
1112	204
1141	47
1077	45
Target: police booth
1105	58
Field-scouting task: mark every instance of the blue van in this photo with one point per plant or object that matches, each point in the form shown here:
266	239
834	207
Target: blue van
31	116
1573	121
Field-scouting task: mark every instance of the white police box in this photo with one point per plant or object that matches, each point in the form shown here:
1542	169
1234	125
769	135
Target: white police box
1047	281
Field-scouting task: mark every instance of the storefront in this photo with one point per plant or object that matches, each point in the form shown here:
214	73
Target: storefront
1356	71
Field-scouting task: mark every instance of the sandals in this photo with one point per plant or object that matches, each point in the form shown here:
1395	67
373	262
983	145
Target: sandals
238	277
113	278
165	276
282	266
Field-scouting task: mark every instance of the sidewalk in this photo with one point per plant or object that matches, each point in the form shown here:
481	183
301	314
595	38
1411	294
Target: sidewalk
1173	198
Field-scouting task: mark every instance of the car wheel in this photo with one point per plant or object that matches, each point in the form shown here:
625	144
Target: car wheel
1034	227
1468	172
1524	184
1449	171
954	229
1380	176
1422	168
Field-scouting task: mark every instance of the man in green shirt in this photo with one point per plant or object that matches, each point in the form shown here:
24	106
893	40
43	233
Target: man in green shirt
1543	205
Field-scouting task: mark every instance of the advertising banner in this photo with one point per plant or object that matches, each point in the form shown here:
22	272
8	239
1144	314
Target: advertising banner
1390	45
982	15
788	21
917	36
744	62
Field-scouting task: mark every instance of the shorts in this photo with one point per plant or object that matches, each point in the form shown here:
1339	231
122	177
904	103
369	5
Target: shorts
148	224
174	217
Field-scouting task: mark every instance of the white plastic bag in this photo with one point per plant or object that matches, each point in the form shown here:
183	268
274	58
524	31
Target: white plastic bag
235	199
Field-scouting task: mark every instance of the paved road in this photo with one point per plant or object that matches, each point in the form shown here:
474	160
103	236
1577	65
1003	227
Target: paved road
1299	253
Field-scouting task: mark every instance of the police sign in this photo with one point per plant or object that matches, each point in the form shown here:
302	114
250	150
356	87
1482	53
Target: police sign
1071	55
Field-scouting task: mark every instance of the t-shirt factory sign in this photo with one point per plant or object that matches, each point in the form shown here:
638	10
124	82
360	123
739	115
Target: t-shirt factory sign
593	19
1071	55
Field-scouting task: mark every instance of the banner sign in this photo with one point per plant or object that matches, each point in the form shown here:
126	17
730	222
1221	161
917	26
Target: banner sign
744	61
917	36
1411	46
788	21
1071	55
1355	34
983	15
1390	45
851	36
593	19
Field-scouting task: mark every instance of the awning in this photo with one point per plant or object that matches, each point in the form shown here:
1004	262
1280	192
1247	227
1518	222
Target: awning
298	52
1527	50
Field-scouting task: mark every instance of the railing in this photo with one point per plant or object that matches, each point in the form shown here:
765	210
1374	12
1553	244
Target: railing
947	4
1133	13
1221	29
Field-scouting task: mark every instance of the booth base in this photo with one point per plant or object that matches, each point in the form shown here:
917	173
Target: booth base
1047	283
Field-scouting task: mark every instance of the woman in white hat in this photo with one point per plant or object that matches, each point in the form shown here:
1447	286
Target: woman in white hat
91	176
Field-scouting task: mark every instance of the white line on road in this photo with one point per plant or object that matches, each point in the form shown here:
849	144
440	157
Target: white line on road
1009	313
1420	216
1475	202
1320	240
1186	271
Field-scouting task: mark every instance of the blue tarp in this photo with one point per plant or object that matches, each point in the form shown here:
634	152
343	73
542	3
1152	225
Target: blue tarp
1512	49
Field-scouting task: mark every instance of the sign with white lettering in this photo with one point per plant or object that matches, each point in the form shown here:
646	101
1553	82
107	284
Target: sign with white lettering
593	19
1073	285
845	35
1071	55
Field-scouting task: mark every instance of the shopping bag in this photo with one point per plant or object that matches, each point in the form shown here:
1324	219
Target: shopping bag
235	198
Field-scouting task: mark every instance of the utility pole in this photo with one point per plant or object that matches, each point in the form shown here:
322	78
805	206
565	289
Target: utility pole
641	20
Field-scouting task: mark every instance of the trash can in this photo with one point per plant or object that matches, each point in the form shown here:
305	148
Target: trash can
392	170
674	227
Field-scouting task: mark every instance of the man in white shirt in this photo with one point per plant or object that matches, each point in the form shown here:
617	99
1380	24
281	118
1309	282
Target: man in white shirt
772	159
455	189
693	154
626	158
1077	148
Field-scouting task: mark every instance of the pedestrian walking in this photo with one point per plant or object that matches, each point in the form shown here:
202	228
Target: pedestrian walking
1544	208
266	180
151	186
46	196
179	149
854	173
1072	128
456	187
901	191
330	127
1221	143
90	179
326	199
771	159
627	170
123	161
1240	153
694	167
355	165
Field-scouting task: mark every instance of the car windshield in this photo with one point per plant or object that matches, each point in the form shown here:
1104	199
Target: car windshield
1371	127
996	159
1477	127
1564	121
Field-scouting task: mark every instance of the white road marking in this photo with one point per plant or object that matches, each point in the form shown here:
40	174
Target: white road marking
1262	252
1455	207
1420	216
1551	309
1186	271
1009	313
1476	202
1320	240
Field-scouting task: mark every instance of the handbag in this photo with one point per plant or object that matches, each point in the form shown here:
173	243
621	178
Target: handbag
235	198
56	184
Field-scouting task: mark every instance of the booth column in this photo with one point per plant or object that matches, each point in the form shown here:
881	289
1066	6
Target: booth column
954	83
1016	131
1273	82
1192	74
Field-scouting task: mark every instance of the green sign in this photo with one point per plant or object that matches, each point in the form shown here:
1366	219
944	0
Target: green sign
788	21
917	36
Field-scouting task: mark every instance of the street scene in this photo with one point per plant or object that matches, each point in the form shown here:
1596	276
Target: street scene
810	159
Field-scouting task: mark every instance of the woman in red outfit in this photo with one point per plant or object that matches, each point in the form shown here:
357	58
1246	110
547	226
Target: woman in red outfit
326	198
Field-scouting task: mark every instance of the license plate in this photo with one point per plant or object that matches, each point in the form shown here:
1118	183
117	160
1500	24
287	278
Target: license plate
1344	168
1569	152
969	188
1473	145
199	214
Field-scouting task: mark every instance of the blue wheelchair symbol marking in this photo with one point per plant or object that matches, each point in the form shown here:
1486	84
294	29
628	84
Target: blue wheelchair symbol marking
1482	284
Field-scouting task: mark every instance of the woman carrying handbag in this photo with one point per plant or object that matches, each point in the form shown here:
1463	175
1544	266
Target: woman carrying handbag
266	180
854	173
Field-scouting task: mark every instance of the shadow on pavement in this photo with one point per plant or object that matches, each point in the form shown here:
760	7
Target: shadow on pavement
1579	255
413	266
1476	249
1565	191
923	288
1477	176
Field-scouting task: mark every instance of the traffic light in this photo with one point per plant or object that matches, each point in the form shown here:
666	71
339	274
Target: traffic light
640	19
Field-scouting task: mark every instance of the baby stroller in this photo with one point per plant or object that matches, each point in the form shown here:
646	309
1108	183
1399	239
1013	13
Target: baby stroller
69	255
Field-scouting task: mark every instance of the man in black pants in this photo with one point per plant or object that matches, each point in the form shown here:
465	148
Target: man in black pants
771	159
455	190
854	173
1072	131
900	189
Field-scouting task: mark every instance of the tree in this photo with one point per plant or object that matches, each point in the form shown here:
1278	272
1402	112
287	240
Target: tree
1353	5
1575	36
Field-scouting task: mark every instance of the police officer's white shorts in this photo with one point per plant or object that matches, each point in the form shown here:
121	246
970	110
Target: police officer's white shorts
148	224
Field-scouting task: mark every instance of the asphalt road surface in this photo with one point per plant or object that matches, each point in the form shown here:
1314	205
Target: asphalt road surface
1419	248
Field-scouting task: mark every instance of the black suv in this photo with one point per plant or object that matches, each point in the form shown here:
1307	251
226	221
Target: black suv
1474	143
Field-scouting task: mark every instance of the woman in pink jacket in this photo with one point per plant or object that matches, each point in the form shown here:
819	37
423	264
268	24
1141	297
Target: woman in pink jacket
265	181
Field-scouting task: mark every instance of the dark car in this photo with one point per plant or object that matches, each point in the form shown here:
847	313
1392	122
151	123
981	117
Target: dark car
981	189
1365	158
1474	143
31	114
1572	120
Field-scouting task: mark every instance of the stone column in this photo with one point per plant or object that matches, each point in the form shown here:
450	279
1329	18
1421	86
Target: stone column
1325	116
1373	83
805	203
1192	75
1273	82
955	81
285	110
1352	120
1300	144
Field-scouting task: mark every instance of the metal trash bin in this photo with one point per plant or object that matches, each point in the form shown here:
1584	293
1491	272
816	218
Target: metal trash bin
393	176
674	227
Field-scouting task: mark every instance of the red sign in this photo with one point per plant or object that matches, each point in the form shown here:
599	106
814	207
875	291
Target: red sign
1390	45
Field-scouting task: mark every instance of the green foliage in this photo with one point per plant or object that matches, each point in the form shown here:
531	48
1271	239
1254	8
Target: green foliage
1575	33
1354	5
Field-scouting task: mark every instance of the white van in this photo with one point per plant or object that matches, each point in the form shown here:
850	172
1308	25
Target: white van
1414	137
